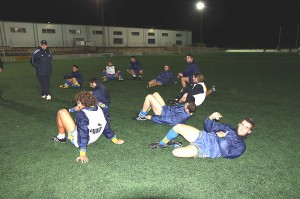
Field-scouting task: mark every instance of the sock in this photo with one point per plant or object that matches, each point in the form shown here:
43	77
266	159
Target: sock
68	83
170	136
76	83
143	114
61	136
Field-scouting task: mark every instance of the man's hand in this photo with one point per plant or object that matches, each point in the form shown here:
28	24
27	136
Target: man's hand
221	134
215	116
83	159
179	75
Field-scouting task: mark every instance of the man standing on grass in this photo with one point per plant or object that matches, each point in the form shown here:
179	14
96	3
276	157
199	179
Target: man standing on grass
216	140
41	60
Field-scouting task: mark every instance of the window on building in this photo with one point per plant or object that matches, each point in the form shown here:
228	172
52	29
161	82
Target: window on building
48	31
117	32
97	32
118	41
178	35
151	41
20	30
75	32
178	42
151	34
164	34
135	33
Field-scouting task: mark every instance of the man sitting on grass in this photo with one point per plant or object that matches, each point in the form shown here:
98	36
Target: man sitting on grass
110	73
163	114
87	128
216	140
164	77
73	79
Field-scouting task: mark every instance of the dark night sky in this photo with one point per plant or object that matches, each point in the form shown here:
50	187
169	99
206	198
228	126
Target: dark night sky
226	23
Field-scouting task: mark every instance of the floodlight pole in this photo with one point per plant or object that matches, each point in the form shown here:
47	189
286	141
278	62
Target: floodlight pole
200	6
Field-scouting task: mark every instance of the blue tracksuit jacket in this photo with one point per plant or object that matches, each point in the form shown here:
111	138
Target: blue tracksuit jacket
191	69
41	60
136	66
165	77
76	75
231	146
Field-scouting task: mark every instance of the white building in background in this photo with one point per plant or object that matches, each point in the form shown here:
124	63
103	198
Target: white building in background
26	34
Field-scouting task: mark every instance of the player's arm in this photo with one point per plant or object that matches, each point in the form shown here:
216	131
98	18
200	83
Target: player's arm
83	136
211	123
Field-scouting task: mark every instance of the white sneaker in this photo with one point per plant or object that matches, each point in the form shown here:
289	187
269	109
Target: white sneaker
48	97
43	96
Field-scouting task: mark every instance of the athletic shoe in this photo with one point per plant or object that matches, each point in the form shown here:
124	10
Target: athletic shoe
140	77
43	96
139	118
121	79
147	86
173	102
213	88
156	145
56	139
104	78
170	143
48	97
177	144
64	86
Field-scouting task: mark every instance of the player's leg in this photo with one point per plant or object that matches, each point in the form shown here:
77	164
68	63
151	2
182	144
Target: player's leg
183	98
185	152
158	97
74	82
140	73
184	80
65	124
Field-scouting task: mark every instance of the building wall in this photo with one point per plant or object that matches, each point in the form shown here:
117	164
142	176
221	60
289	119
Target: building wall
26	34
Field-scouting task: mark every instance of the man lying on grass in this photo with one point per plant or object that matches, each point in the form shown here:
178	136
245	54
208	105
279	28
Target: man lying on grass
216	140
90	123
163	114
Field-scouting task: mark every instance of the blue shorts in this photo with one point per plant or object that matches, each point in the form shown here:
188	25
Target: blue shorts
206	145
111	77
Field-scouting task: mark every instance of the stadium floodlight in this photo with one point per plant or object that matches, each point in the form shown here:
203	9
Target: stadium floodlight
200	6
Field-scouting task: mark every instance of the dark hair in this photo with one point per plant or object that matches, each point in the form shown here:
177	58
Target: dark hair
87	99
75	66
250	121
191	107
93	80
190	55
133	57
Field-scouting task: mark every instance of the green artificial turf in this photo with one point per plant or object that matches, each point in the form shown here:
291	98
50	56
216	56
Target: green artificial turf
263	86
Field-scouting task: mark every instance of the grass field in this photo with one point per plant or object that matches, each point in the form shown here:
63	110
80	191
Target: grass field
263	86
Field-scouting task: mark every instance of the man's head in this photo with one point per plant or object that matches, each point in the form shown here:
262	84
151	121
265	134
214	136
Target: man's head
166	67
132	58
189	58
245	127
198	77
86	99
93	82
44	44
75	68
190	106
